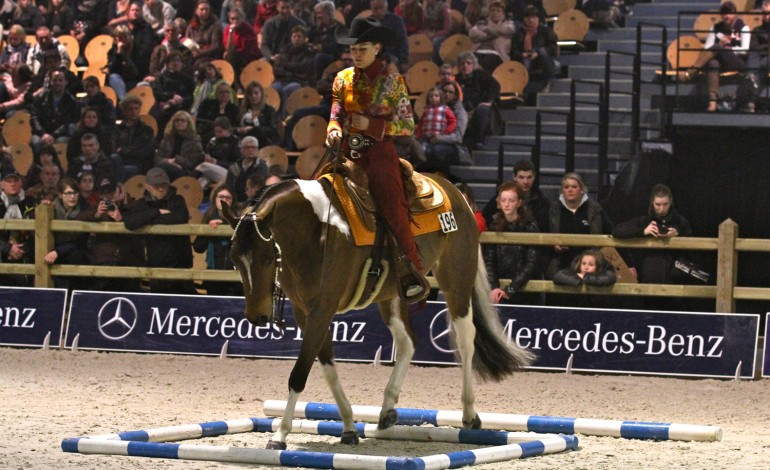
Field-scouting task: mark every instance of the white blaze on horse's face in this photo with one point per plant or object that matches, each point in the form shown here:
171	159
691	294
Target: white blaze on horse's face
315	194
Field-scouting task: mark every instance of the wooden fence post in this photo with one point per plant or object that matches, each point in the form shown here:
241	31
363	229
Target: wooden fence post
43	244
727	266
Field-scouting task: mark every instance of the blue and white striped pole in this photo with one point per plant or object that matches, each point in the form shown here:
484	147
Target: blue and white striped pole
511	422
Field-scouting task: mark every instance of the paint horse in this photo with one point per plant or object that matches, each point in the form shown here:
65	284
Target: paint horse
297	236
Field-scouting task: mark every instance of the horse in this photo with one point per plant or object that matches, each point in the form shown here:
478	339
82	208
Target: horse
296	236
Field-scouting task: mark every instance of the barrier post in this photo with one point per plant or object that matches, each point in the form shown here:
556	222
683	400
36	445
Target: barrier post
43	244
727	266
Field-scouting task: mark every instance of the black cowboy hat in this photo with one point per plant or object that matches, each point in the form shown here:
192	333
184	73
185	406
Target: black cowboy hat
365	30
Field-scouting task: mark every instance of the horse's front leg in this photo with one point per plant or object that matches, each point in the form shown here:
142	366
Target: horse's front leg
326	358
393	313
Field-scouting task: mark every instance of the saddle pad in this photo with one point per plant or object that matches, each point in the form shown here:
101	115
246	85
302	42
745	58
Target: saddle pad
422	222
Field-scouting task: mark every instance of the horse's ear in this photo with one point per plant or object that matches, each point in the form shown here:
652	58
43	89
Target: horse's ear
229	215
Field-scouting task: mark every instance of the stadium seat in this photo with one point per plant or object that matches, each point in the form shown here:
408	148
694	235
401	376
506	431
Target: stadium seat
420	48
453	46
97	49
274	155
145	94
571	27
260	71
302	98
21	155
309	131
226	69
421	77
190	189
134	186
512	76
17	129
307	161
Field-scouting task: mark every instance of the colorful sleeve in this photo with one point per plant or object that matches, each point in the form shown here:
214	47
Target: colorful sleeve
402	121
337	116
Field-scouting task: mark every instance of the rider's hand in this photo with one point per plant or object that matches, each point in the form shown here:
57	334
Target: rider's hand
334	136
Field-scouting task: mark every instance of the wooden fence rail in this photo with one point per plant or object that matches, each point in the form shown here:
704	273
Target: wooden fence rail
727	246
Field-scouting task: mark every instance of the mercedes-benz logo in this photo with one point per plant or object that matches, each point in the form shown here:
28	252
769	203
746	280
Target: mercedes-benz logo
441	333
117	318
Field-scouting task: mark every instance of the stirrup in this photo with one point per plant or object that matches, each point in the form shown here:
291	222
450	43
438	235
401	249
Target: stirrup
412	286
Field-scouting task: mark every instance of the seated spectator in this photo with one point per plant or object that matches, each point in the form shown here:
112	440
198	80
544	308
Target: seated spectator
145	40
726	49
221	152
111	204
258	119
47	156
265	9
437	120
69	247
217	249
86	186
222	105
92	159
158	14
207	78
13	88
534	45
52	113
491	37
89	124
134	141
161	205
515	262
534	200
293	68
122	72
47	189
467	192
248	164
480	91
206	30
117	13
59	18
180	149
437	24
90	17
411	12
277	30
515	9
27	16
41	82
173	90
249	8
661	221
46	42
588	268
240	44
322	38
757	59
97	100
397	52
475	11
605	13
160	55
16	49
15	246
448	149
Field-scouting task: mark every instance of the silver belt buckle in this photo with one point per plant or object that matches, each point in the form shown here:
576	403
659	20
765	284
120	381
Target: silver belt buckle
358	141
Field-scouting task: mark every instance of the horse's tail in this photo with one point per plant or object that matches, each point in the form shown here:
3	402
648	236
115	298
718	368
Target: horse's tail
495	357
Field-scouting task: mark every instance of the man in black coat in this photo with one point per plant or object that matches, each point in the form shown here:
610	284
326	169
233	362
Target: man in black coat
53	111
15	246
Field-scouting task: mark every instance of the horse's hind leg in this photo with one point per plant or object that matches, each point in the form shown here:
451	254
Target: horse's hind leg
393	312
326	358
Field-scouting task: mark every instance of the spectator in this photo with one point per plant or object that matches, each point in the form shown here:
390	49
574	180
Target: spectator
15	246
661	221
161	53
13	89
122	72
27	16
16	49
266	9
60	18
475	11
258	119
574	213
248	164
480	91
173	89
437	120
111	204
249	8
206	30
515	262
117	13
98	101
212	108
86	186
321	37
398	50
47	189
207	78
47	156
52	113
491	37
726	47
760	45
217	249
92	159
158	14
239	41
145	40
467	192
605	13
41	82
45	42
221	152
534	45
161	205
180	150
437	24
89	124
534	200
411	12
293	67
277	30
134	141
515	9
90	18
589	268
69	247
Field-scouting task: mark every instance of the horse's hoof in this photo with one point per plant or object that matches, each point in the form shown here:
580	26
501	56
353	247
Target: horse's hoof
275	445
475	423
349	438
387	420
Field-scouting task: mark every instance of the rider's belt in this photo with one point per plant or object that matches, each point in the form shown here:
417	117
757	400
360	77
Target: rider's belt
359	141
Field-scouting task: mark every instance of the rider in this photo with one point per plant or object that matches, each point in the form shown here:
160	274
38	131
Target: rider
371	105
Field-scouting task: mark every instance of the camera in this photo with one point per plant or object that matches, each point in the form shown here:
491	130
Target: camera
662	227
110	205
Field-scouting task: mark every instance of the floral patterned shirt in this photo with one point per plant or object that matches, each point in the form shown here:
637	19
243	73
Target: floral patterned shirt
377	93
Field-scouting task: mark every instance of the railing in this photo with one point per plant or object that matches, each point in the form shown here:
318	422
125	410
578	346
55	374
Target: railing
727	246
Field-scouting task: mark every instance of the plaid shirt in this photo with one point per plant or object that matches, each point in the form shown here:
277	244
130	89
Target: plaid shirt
436	120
